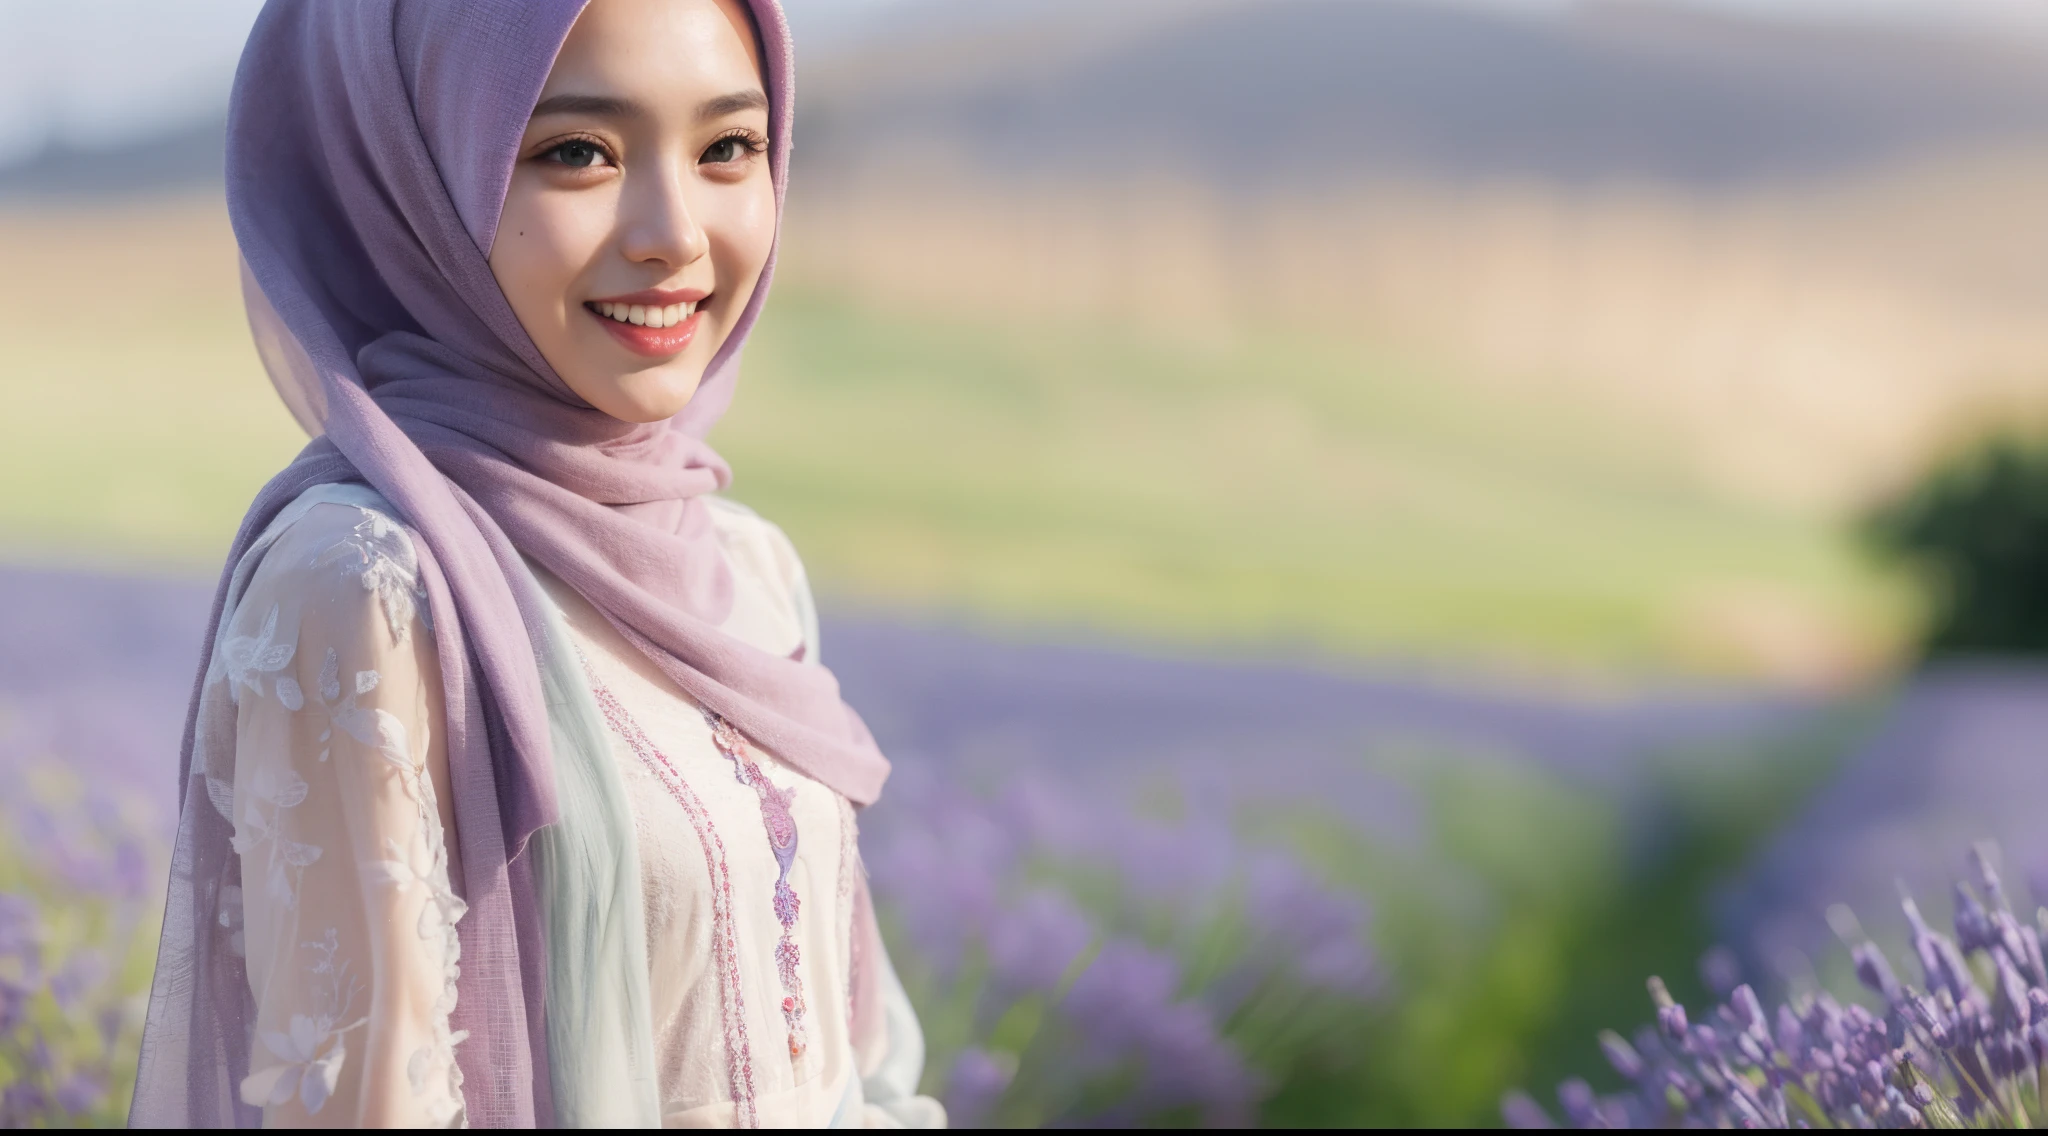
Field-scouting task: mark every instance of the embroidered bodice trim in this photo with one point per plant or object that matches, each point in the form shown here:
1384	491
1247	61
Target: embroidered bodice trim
739	1053
781	828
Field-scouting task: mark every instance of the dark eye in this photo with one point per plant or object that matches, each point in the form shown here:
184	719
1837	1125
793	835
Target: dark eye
577	154
725	150
733	148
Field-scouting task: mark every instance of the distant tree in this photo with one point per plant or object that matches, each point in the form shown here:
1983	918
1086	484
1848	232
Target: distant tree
1976	530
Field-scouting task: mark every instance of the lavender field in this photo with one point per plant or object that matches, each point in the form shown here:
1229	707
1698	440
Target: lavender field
1122	888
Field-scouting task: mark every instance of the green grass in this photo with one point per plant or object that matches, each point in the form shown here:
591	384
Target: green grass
1266	492
1278	489
1533	912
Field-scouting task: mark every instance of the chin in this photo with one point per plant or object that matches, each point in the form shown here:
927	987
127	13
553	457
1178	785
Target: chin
642	398
657	409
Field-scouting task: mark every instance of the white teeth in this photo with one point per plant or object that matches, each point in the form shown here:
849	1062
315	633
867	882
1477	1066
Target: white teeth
646	315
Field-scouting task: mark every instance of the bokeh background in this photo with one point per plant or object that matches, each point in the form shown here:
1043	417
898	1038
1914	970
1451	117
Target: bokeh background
1368	526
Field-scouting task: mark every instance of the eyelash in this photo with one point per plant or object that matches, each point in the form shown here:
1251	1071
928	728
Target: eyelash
560	144
751	142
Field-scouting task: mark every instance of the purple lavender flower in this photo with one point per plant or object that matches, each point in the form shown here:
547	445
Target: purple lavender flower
79	975
1581	1107
1120	990
14	998
1033	942
1622	1056
22	1103
1322	932
1126	1008
974	1086
1720	970
19	928
1519	1111
1950	1054
79	1092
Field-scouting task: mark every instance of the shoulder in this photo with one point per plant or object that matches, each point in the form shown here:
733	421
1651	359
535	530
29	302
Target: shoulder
759	549
339	559
757	543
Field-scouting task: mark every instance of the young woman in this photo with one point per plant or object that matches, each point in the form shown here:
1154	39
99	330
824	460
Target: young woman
515	791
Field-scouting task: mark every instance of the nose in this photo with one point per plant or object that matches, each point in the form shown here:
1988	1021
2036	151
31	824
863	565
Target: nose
658	225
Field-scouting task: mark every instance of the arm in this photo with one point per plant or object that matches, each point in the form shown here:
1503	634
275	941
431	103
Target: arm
342	828
892	1059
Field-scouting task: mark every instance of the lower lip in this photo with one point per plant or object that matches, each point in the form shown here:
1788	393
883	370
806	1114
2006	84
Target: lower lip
653	342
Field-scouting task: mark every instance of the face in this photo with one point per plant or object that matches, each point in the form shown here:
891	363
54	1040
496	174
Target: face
641	211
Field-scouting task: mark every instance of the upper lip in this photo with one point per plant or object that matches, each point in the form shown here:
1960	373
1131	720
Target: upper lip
655	297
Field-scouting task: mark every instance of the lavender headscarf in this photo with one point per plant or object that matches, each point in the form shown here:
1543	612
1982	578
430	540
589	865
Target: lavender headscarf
370	144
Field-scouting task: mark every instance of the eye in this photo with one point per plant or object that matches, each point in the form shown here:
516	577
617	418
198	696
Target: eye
577	154
733	148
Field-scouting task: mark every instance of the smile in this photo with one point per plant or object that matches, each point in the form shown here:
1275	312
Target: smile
652	329
645	315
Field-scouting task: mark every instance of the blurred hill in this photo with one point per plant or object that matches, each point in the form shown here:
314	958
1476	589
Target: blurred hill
1802	256
1282	94
1285	93
186	159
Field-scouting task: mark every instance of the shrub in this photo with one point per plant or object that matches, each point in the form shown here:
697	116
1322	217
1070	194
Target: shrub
1976	531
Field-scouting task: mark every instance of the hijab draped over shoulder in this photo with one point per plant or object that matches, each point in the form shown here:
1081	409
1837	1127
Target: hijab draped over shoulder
370	143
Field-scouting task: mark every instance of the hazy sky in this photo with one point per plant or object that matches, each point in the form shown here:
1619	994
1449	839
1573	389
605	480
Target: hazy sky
98	72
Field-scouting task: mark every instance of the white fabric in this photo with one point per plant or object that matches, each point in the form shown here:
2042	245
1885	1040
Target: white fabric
335	781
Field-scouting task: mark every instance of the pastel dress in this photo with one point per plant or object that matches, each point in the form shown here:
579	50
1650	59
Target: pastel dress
742	871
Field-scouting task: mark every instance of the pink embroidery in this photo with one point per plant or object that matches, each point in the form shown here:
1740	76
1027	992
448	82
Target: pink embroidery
781	827
724	941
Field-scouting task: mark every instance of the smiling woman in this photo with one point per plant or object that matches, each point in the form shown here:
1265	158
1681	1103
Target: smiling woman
500	772
641	210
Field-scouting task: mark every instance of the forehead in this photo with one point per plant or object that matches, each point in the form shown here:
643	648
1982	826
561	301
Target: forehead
665	53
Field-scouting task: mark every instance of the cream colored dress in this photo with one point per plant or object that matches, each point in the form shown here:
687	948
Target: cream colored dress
349	902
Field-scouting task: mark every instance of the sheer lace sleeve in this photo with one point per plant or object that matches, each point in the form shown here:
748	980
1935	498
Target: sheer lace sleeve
340	820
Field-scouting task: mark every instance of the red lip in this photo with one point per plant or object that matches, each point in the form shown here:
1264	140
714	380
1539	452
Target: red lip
653	342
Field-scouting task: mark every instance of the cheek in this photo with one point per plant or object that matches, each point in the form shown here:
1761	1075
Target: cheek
545	241
741	235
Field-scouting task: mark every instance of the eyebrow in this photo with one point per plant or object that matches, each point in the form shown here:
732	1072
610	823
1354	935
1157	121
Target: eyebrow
599	106
750	99
610	106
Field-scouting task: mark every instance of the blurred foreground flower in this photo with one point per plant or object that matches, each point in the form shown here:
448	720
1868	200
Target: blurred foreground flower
1079	961
78	903
1966	1047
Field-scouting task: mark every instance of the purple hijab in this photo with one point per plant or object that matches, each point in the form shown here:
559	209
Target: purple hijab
370	143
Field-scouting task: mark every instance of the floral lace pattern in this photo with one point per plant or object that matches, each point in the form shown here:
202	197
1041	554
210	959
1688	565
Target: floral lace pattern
261	833
311	1052
300	803
378	555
